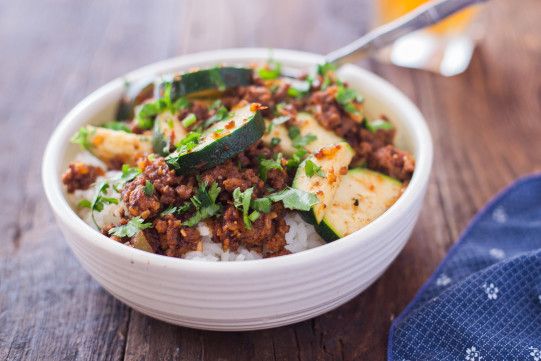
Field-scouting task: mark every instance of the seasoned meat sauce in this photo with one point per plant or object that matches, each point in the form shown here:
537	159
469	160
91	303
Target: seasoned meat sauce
168	233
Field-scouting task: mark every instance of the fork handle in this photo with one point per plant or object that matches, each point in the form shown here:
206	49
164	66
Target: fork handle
423	16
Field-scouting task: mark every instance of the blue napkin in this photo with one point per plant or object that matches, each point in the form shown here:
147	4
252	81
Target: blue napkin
483	303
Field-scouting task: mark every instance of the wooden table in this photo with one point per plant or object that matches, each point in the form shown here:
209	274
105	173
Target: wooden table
486	126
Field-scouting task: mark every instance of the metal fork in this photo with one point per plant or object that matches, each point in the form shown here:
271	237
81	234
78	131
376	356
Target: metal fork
423	16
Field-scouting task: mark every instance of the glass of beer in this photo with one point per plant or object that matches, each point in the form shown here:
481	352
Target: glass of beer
444	48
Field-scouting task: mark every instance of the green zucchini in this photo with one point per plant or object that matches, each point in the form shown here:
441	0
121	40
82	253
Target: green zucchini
116	147
167	131
333	161
362	196
279	131
203	81
309	125
135	93
223	140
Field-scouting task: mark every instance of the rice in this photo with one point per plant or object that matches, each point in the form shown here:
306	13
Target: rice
301	235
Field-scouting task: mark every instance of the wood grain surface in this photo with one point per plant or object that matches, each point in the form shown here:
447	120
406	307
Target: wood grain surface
486	126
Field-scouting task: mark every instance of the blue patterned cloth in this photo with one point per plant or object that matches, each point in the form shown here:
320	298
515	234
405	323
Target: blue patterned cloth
483	303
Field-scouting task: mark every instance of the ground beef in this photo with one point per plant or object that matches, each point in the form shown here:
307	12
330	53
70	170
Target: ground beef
80	176
138	203
325	108
394	162
175	239
267	235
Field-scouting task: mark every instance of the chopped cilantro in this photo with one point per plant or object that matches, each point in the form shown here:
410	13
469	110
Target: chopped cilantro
275	141
114	125
82	137
271	70
242	202
302	141
221	114
267	164
348	98
217	79
128	174
311	169
176	210
131	228
296	158
378	124
254	216
188	142
148	189
294	199
261	204
205	204
189	120
326	71
146	113
293	132
98	201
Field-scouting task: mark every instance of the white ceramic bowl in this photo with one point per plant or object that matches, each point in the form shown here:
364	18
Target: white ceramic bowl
251	294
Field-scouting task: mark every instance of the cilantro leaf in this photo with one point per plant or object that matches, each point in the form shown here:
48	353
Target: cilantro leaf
205	204
304	140
267	164
98	201
311	169
130	229
296	158
378	124
242	201
82	137
275	141
294	198
221	114
128	174
114	125
148	189
189	120
261	204
271	70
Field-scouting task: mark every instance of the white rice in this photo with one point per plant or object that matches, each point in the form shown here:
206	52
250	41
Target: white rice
301	235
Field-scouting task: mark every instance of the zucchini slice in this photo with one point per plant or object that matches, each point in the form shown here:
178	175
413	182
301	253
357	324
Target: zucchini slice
279	131
115	147
334	161
362	196
167	131
223	140
206	80
134	94
309	125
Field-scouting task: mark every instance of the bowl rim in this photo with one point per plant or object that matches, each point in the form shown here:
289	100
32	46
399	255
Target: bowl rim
59	140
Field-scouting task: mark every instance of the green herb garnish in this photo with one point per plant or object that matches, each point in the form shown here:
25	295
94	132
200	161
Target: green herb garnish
294	198
378	124
267	164
275	141
296	158
326	71
311	169
128	174
82	137
272	70
131	228
98	201
205	204
242	202
114	125
148	189
189	120
261	204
